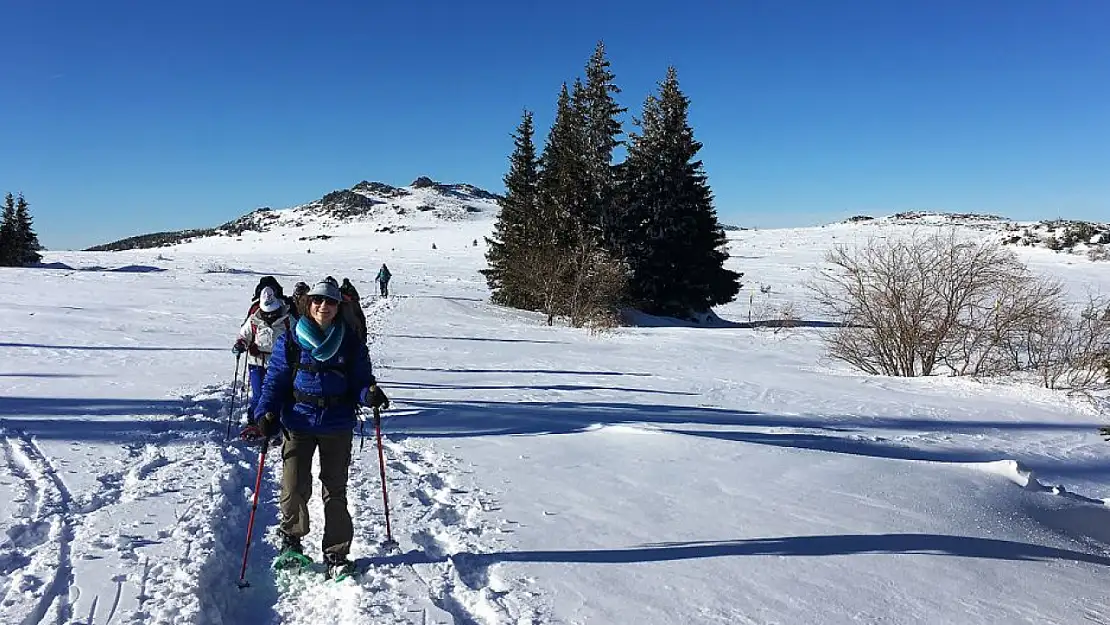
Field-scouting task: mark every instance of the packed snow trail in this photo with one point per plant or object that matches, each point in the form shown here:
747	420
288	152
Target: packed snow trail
434	517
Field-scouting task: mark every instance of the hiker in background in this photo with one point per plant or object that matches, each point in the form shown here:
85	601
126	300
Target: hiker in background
256	338
318	376
353	313
300	300
383	280
273	284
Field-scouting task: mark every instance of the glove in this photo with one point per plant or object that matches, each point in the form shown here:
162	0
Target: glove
266	427
1105	432
269	424
251	433
239	347
374	397
253	350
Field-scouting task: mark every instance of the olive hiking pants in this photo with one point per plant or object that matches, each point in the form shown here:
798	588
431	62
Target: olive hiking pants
296	486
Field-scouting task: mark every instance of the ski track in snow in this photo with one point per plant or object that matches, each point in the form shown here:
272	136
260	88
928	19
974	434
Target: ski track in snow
56	530
42	587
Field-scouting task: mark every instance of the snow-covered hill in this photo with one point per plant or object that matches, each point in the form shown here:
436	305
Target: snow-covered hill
1058	235
367	206
651	476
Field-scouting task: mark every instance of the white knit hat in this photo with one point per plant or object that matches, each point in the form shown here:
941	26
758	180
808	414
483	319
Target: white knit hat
267	301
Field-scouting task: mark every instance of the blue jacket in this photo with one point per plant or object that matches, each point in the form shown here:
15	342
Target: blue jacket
342	381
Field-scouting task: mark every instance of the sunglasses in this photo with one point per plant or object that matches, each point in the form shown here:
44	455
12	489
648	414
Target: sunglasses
320	300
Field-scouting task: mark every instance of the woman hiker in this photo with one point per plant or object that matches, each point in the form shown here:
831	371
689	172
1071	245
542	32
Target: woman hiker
318	376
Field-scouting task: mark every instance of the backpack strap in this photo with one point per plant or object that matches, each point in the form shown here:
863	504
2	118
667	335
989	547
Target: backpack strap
293	354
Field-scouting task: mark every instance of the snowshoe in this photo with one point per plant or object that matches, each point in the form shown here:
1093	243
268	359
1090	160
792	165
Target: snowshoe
339	568
291	560
292	555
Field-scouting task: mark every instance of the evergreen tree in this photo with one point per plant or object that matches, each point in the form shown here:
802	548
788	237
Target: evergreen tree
669	235
563	184
516	229
7	233
26	243
601	129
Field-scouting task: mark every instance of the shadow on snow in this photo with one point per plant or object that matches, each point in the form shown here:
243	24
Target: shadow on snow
115	348
473	567
524	371
843	434
533	387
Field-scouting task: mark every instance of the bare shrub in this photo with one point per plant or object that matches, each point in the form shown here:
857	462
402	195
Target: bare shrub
992	333
213	266
1071	349
538	277
909	304
775	315
1098	253
585	285
596	287
784	318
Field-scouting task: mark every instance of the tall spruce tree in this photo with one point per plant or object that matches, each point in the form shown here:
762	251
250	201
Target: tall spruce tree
516	229
26	247
563	185
601	129
670	236
8	252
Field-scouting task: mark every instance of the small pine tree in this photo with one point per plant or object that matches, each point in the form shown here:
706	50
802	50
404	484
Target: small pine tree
670	236
7	233
515	229
26	243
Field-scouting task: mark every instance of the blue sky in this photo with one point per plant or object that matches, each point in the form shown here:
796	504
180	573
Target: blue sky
120	118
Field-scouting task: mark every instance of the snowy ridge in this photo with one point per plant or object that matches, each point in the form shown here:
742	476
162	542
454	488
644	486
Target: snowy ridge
1054	234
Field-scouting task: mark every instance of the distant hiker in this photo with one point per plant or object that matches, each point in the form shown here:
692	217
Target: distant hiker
256	337
300	299
318	375
383	279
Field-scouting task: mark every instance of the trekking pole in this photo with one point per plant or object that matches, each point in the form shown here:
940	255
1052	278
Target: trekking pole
389	542
361	435
243	583
231	408
244	387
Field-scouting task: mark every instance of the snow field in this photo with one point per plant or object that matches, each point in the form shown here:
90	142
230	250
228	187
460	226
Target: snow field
536	474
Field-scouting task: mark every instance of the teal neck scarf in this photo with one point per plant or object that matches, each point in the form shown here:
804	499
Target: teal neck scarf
322	344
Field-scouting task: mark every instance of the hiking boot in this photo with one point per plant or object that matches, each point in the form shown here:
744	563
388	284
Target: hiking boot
292	555
339	567
290	543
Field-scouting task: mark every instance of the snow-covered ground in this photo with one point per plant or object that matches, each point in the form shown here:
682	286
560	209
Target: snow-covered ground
655	475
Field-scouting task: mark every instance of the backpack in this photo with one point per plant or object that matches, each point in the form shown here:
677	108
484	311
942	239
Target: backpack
351	309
